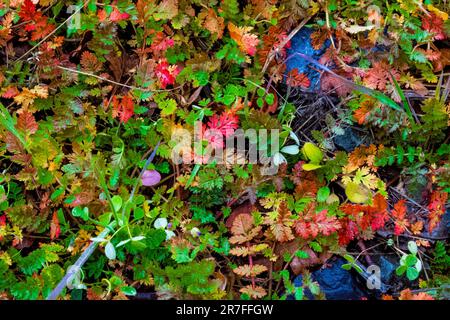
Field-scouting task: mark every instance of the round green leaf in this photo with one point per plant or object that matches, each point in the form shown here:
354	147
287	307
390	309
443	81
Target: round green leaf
412	274
116	202
412	247
410	260
400	270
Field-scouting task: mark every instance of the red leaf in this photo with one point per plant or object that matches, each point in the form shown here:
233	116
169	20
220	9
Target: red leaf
363	217
399	210
161	42
55	229
117	16
166	73
2	224
295	79
37	22
378	76
42	28
10	92
348	232
399	213
437	208
246	41
27	123
27	11
102	15
123	109
326	225
225	123
311	224
434	25
302	229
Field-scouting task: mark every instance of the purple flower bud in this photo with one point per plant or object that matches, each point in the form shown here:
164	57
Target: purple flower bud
150	178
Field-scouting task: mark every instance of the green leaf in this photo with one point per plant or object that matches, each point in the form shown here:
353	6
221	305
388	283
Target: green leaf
410	260
139	213
349	258
302	254
412	274
82	213
312	152
59	191
292	149
412	247
323	194
116	202
346	266
110	251
314	288
129	291
298	293
311	166
168	107
122	243
400	270
270	99
315	246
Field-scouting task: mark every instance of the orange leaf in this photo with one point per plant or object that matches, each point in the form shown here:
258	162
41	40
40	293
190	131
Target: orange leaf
55	228
437	208
295	79
242	224
212	22
246	41
123	109
27	123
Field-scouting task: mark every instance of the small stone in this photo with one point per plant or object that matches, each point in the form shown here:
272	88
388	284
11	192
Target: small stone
348	141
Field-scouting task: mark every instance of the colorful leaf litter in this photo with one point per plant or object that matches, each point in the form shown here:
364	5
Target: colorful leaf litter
172	147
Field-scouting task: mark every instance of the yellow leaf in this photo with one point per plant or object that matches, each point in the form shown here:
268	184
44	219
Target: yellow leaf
246	41
311	166
439	13
27	96
250	271
313	153
357	193
255	292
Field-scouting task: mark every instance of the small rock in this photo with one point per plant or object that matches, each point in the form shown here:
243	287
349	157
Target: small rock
387	269
348	141
335	282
